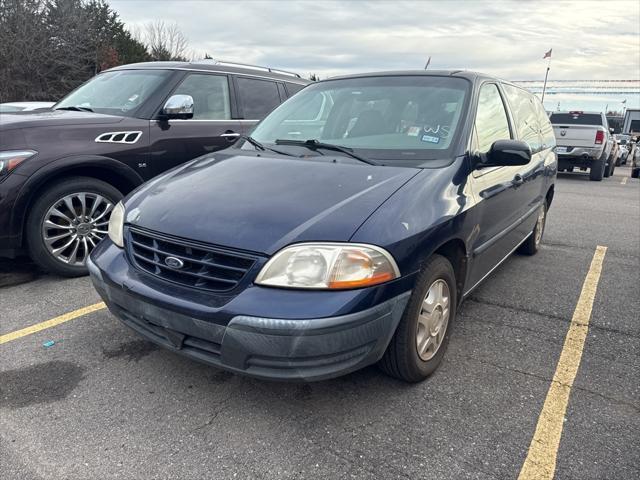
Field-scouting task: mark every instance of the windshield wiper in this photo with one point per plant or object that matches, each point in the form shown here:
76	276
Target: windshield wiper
260	146
76	108
312	144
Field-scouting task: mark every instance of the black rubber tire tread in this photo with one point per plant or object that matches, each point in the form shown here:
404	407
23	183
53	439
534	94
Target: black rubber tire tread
596	172
401	359
608	170
35	244
529	246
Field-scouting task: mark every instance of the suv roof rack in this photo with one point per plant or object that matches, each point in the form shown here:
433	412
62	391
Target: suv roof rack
247	65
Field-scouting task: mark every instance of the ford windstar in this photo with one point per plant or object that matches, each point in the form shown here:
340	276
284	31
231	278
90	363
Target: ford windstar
344	231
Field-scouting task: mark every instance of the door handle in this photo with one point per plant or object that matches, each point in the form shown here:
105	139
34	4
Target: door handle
517	180
230	135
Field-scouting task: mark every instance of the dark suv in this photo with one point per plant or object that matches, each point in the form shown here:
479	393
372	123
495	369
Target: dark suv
63	170
345	230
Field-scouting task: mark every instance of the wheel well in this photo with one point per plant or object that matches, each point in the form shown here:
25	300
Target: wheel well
122	183
549	196
455	251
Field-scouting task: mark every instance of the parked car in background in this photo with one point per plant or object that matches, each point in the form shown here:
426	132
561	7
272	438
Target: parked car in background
635	161
346	230
63	170
623	142
14	107
584	141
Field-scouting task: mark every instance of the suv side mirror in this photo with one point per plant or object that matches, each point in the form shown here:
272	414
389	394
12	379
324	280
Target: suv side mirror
505	153
179	107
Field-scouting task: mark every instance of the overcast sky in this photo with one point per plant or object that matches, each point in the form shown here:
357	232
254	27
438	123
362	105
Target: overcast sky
590	39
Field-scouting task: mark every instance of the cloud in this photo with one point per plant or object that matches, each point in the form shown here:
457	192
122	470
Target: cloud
502	38
505	38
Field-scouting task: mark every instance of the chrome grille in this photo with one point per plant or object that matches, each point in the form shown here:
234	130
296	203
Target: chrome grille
203	266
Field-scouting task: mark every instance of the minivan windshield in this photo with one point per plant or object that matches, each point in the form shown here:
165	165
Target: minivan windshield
116	93
404	119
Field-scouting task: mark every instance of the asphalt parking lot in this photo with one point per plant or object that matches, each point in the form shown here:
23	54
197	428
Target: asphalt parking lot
102	403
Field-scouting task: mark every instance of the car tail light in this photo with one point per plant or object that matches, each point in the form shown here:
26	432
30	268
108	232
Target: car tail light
599	137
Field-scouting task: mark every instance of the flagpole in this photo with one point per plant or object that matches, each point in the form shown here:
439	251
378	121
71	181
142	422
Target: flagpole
546	75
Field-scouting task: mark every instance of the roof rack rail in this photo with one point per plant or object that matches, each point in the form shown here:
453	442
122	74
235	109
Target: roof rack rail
247	65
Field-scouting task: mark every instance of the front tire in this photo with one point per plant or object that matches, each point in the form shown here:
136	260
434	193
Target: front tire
67	222
419	343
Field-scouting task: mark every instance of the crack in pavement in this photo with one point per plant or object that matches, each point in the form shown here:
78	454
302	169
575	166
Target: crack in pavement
635	408
549	316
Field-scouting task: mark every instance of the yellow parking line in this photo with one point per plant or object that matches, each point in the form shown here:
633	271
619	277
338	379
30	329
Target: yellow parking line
540	463
623	181
7	337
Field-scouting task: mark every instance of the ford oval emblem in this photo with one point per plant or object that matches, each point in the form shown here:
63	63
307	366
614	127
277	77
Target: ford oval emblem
173	262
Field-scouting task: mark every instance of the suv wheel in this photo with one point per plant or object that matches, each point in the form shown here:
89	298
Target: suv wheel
532	244
419	343
67	222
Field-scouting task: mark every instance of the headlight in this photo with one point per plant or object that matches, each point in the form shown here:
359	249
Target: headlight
116	224
10	159
332	266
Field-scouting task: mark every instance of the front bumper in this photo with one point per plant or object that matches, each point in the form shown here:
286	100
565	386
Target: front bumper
267	347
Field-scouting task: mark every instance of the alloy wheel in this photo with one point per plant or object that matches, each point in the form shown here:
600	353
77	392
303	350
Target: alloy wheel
74	225
540	225
433	320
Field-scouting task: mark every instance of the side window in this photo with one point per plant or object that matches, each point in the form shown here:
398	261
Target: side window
491	119
294	88
525	116
210	96
546	129
257	97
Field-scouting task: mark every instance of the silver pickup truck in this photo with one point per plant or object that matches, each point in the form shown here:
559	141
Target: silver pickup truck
584	140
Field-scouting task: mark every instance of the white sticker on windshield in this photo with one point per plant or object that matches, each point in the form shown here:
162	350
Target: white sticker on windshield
430	139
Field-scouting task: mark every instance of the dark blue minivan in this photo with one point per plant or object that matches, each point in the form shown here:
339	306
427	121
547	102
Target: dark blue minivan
345	231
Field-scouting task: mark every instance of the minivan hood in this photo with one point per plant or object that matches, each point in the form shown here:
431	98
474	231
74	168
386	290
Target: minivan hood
49	118
262	204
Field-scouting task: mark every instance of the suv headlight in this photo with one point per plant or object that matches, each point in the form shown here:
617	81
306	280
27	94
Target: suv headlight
333	266
116	225
10	159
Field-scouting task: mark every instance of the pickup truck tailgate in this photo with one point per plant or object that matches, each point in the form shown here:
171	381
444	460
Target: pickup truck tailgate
576	135
577	129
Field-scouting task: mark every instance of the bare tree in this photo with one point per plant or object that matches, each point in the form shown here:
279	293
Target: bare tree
49	47
165	41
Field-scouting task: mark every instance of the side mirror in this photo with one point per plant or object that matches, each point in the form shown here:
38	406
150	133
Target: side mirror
178	106
504	153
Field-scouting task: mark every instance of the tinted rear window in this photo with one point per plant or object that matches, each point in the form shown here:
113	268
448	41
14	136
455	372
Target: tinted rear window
257	97
576	119
294	88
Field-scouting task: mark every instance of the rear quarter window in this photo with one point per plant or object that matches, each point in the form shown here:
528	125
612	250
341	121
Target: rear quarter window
546	129
526	116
